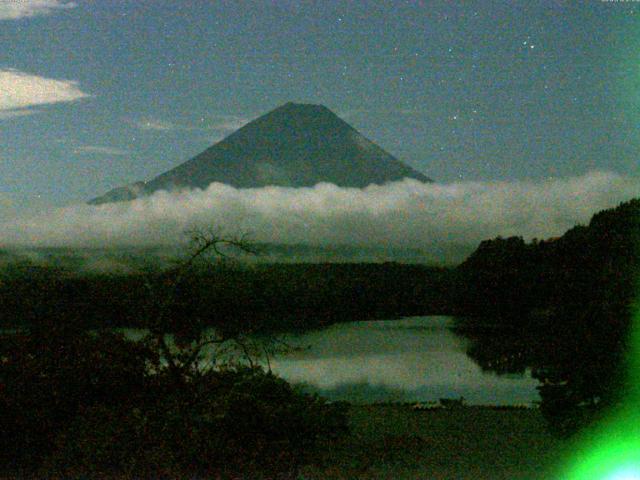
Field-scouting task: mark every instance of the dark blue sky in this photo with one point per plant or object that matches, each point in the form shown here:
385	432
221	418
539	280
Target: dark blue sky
475	91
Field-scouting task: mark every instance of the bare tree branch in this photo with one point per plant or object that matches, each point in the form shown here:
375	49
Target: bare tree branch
202	242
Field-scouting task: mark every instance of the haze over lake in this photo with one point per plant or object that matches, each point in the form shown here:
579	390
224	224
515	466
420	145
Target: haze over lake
412	359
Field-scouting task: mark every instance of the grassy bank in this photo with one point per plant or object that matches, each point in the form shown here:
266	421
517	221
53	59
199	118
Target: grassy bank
395	442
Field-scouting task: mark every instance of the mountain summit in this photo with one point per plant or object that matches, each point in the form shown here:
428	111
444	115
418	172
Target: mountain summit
295	145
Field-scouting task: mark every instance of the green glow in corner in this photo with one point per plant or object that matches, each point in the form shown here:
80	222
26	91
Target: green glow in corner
626	473
608	459
611	450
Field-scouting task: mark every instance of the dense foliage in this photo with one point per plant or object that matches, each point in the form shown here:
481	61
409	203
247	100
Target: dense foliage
561	307
78	403
75	403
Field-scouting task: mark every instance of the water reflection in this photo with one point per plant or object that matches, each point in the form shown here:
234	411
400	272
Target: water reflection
413	359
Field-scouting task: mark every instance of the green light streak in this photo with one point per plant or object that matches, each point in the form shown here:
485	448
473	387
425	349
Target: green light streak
611	449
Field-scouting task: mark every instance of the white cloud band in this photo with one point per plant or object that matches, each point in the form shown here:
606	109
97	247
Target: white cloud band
401	214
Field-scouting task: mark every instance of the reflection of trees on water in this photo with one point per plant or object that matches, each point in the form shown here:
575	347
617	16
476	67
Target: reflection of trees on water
576	359
560	307
497	350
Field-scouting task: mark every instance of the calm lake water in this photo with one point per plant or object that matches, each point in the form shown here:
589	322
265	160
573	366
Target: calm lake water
413	359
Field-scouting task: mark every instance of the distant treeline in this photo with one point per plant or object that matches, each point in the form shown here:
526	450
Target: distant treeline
562	307
273	297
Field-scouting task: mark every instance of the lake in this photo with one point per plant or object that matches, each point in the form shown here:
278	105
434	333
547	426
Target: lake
412	359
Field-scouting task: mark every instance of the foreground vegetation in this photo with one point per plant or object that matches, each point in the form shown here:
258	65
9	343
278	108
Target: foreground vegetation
77	403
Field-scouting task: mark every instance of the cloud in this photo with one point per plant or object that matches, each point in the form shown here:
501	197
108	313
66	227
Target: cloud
409	111
220	123
354	112
19	112
399	215
20	91
149	123
226	123
357	112
16	9
100	150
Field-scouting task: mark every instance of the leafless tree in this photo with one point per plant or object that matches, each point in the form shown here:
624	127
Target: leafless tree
182	356
185	356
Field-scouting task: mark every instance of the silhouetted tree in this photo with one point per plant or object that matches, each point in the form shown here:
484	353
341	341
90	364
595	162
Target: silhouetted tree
569	304
88	403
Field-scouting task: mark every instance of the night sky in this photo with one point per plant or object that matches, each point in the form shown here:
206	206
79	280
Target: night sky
96	94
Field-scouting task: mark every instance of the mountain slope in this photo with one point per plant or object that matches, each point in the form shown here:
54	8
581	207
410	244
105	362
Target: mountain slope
295	145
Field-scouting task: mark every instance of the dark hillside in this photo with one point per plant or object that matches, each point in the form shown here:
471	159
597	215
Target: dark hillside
562	307
273	296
